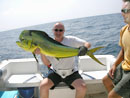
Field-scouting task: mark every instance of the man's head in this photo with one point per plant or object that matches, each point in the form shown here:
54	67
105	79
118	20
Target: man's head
58	30
126	11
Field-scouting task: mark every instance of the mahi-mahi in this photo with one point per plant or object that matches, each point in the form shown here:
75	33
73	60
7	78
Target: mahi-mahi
33	39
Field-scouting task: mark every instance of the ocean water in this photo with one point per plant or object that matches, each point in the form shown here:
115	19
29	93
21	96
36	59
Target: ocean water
103	30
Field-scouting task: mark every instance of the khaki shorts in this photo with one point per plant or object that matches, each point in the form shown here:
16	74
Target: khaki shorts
122	82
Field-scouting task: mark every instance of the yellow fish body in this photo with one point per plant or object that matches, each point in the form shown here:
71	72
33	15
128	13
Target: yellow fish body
32	39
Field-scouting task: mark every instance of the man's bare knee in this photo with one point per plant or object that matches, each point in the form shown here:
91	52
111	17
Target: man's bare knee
46	84
82	87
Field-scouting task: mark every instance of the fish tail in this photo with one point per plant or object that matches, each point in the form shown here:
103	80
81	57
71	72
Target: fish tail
90	53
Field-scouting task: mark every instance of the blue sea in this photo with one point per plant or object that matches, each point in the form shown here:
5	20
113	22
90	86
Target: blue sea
103	30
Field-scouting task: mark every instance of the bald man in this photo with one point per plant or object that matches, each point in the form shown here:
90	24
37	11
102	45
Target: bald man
65	69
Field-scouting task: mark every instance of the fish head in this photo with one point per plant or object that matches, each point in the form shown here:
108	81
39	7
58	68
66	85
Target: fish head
33	35
29	40
27	45
25	35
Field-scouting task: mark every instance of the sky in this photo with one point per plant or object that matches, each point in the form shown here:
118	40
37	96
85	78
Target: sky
22	13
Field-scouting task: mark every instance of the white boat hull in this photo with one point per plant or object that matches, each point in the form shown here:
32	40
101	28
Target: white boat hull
25	73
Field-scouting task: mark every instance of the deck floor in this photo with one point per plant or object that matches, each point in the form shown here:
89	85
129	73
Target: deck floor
101	95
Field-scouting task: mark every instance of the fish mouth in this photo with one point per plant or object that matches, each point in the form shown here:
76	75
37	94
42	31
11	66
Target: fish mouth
24	44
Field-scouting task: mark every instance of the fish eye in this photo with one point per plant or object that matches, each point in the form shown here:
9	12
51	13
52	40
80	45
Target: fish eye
22	39
35	44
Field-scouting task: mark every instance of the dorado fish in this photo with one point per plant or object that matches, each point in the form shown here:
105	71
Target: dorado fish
33	39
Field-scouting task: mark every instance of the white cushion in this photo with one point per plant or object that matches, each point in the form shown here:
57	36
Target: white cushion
92	75
24	80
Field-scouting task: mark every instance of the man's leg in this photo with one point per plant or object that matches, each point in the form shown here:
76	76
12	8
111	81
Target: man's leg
113	94
45	85
109	86
80	87
108	83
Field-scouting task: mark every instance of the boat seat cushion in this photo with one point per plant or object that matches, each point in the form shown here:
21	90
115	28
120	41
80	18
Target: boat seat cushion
24	80
92	75
8	94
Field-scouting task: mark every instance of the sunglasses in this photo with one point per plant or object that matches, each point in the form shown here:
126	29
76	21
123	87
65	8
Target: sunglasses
60	30
125	10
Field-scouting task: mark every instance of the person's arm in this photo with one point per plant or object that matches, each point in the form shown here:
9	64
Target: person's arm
119	59
87	44
43	57
45	60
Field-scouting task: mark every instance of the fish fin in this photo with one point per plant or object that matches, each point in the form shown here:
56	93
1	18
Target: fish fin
39	34
95	49
90	53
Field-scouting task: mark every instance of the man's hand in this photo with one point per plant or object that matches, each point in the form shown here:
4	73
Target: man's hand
37	51
112	71
82	51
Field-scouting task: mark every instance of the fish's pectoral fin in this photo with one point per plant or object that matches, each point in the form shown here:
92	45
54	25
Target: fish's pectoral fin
90	53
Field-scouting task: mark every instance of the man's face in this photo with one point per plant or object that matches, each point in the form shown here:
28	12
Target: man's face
126	12
58	31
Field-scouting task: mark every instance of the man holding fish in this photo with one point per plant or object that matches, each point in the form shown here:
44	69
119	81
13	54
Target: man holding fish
64	69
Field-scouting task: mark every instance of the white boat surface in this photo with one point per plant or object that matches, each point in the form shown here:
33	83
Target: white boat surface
17	73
